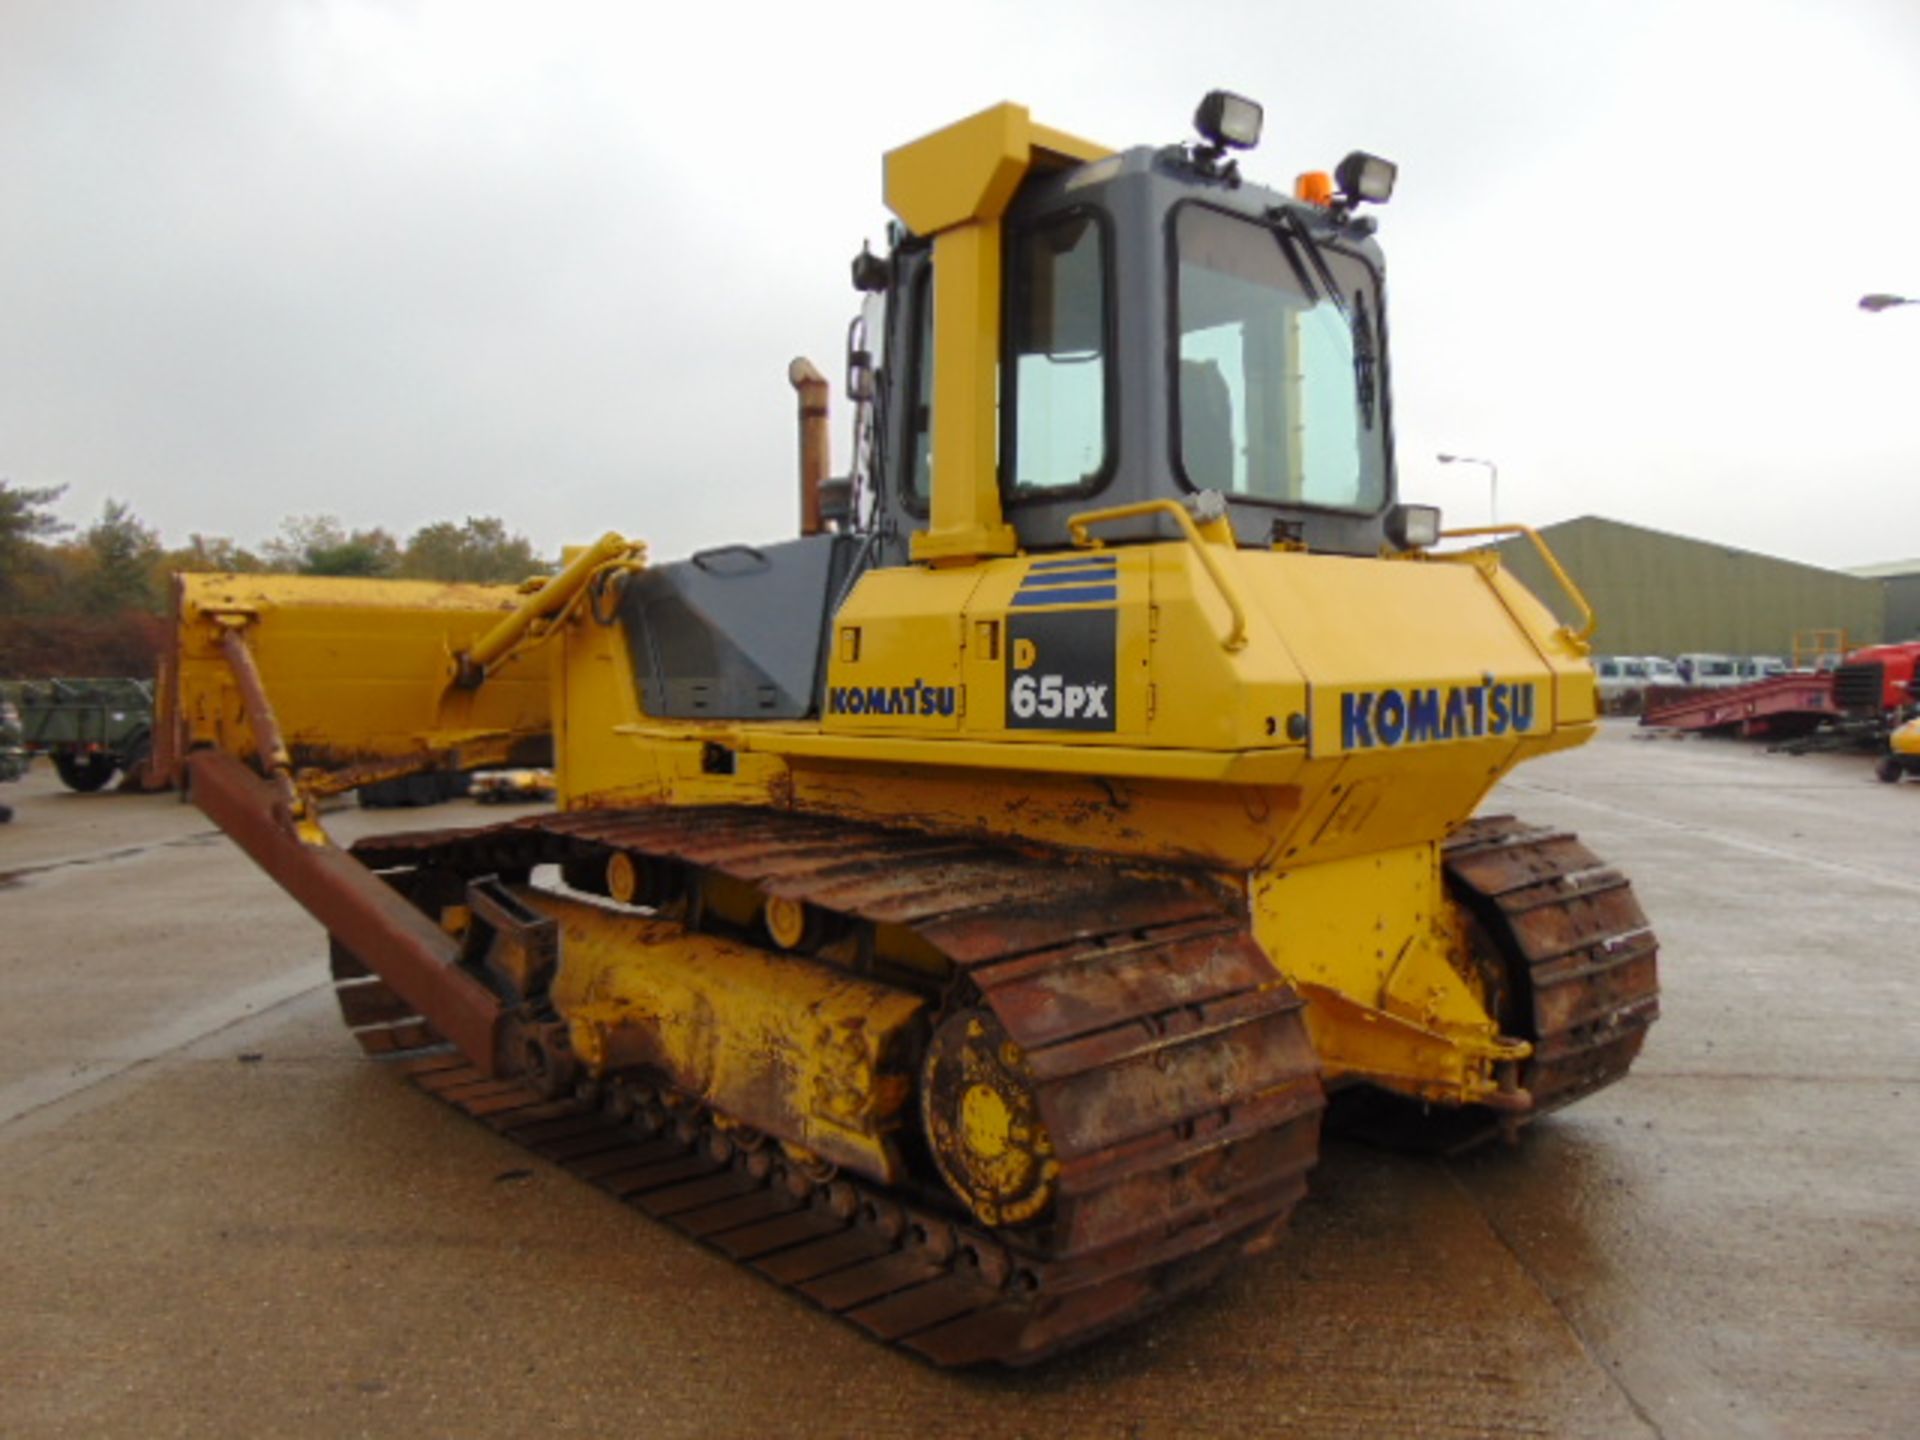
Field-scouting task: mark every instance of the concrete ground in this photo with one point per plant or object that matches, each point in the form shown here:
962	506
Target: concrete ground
216	1218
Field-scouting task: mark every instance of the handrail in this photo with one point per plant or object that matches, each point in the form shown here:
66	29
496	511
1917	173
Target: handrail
1585	632
699	558
1236	638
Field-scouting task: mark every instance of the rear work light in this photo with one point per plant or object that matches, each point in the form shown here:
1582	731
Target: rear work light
1364	177
1230	121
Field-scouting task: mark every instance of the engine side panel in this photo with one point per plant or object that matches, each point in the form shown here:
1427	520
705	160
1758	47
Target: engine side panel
737	632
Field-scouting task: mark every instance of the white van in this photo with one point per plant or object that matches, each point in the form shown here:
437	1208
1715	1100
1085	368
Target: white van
1617	676
1710	672
1622	680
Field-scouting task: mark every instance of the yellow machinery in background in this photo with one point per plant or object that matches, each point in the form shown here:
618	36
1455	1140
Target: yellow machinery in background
962	913
1903	753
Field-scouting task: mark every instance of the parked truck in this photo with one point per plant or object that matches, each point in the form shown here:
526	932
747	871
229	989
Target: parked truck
91	729
13	754
1879	681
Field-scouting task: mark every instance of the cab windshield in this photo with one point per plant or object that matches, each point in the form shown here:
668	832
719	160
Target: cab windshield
1276	393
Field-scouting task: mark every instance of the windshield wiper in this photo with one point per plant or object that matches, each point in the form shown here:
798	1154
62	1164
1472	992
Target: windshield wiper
1296	240
1289	226
1363	357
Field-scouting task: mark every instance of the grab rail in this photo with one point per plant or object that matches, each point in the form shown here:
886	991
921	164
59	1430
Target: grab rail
1236	638
1585	632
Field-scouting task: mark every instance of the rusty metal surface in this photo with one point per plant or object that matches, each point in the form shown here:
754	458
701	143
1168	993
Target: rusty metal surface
1169	1064
362	913
1588	955
1681	1254
810	388
1052	997
973	901
518	947
1776	705
911	1277
1581	946
271	748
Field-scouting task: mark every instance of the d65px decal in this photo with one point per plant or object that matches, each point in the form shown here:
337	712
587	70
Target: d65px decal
1060	671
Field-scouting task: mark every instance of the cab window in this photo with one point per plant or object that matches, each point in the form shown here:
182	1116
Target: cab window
920	403
1274	385
1058	355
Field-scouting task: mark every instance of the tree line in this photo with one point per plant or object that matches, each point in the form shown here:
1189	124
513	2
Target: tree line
90	600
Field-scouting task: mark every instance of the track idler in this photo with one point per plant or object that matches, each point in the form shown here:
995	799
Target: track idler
982	1117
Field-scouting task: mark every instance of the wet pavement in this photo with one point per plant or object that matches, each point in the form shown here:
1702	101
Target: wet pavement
215	1217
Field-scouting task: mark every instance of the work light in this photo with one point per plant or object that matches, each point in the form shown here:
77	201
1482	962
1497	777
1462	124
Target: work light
1228	120
1414	527
1365	177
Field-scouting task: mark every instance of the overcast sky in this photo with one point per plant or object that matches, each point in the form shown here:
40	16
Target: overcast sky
401	262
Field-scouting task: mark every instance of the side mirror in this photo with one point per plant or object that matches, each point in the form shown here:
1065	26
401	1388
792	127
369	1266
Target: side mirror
869	272
836	503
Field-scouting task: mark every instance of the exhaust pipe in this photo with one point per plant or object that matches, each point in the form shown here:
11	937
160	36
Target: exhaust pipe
811	387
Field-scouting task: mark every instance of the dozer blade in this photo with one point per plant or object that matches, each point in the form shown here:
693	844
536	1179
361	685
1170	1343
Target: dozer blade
324	684
362	673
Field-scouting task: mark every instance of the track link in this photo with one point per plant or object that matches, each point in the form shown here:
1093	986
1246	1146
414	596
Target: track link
1570	965
1579	955
1169	1062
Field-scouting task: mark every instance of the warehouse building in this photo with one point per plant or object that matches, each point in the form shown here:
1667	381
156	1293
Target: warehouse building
1900	586
1661	594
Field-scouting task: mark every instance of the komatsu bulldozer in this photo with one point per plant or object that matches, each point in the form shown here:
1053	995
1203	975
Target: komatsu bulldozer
961	913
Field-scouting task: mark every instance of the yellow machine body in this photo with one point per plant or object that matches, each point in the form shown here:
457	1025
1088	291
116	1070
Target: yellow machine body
1285	746
361	673
1307	728
1252	763
800	1051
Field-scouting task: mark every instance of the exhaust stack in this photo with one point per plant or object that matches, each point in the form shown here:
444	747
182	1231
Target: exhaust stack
811	386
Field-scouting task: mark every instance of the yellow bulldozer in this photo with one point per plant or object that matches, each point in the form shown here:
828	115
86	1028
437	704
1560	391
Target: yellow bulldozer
964	912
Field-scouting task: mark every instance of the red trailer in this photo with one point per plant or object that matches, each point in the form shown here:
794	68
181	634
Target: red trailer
1780	705
1873	688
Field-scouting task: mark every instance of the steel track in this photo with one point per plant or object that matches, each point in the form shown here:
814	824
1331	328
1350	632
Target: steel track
1578	948
1170	1063
1095	972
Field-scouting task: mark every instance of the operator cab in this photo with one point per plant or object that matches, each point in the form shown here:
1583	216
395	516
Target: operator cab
1167	331
1133	328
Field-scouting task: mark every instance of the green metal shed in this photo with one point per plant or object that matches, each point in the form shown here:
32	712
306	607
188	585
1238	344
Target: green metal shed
1661	594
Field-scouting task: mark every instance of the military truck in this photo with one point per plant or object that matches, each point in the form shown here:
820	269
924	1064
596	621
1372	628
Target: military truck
89	728
13	754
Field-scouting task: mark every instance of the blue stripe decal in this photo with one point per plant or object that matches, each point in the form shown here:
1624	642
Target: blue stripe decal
1068	577
1075	563
1063	595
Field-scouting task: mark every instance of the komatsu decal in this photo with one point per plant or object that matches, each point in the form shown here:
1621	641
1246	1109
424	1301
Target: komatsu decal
1060	671
1416	716
911	699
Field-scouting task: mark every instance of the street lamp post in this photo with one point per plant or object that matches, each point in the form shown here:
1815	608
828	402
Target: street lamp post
1493	481
1876	303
